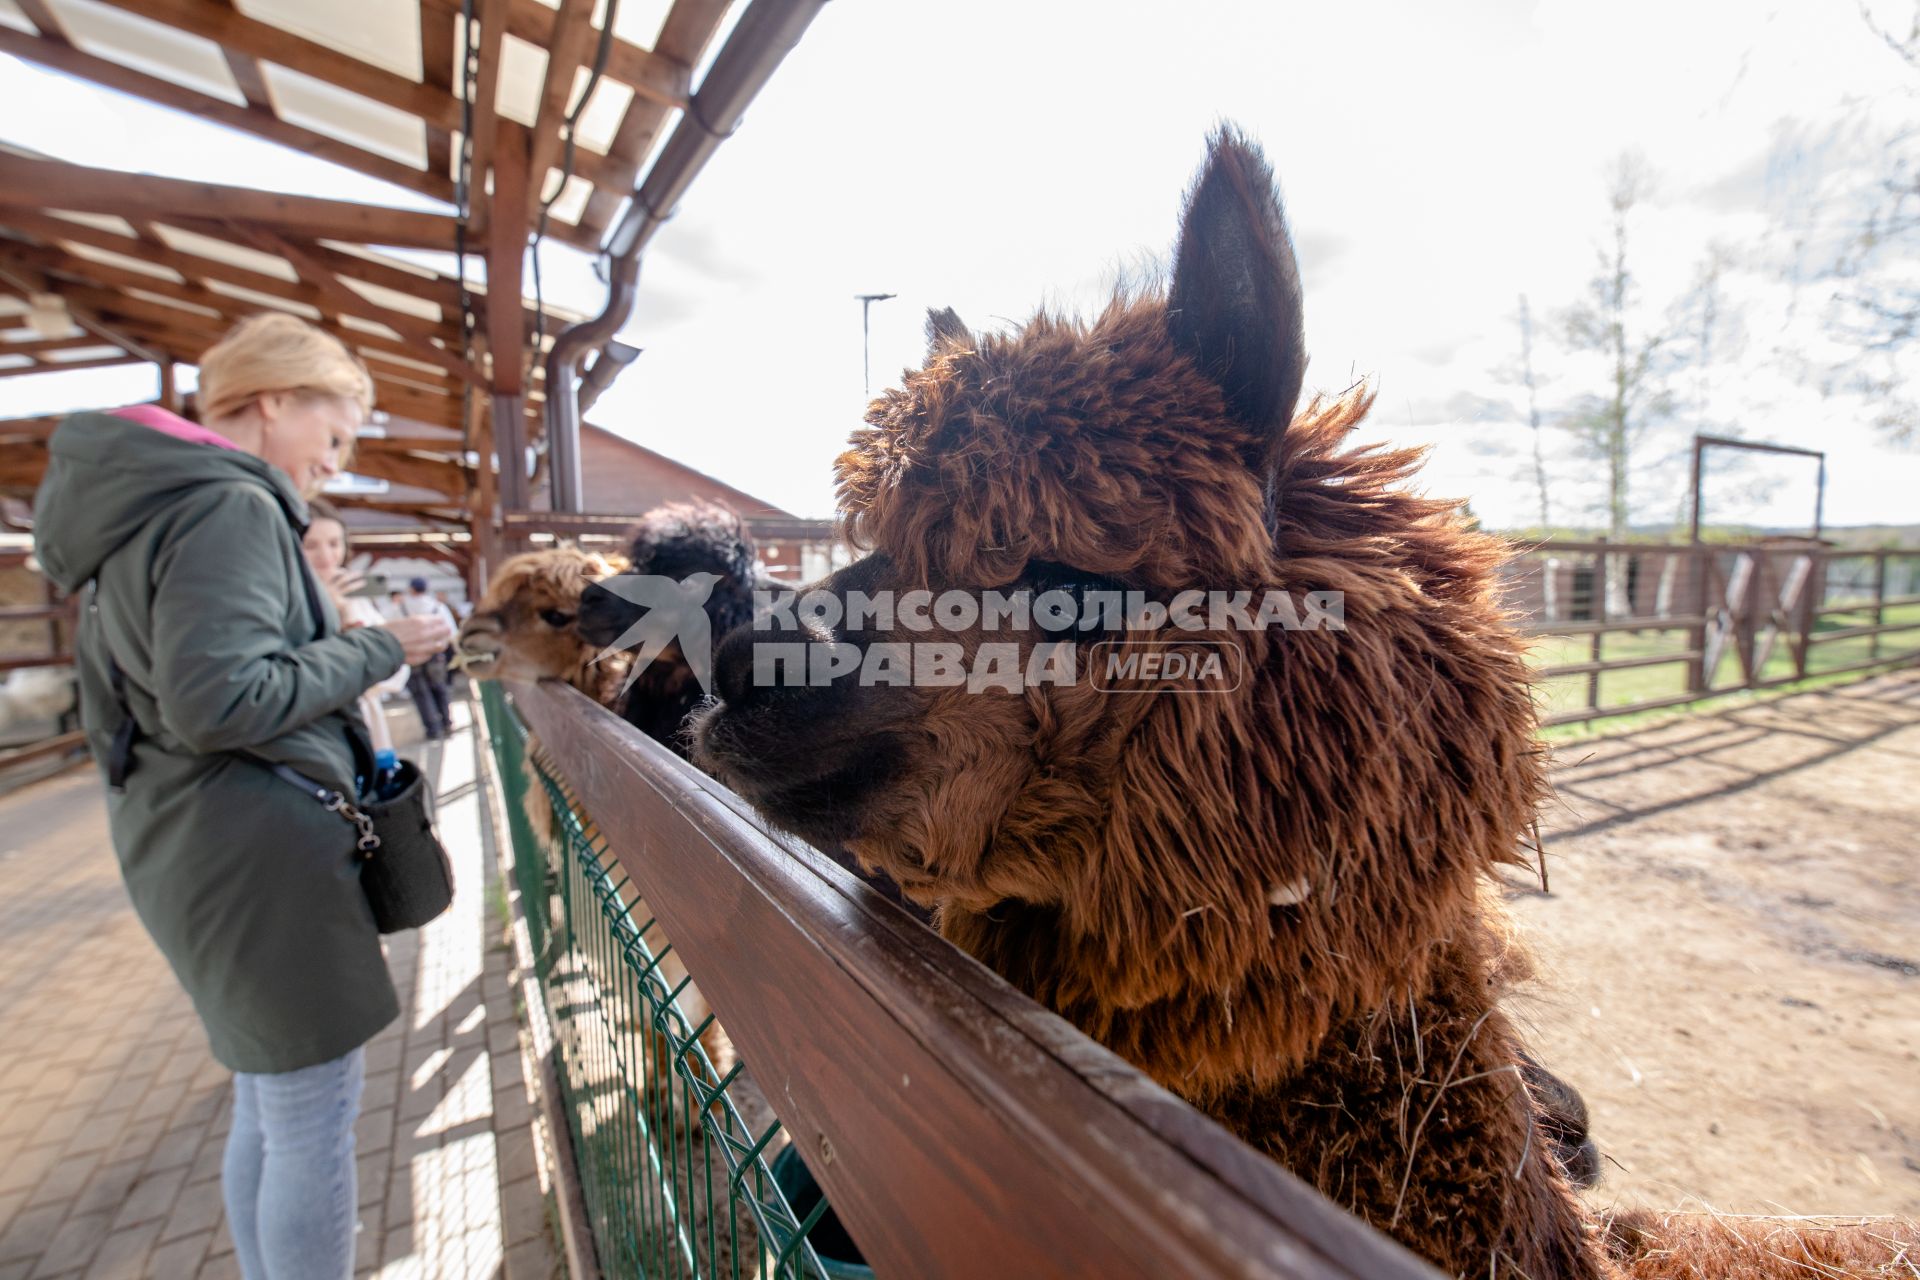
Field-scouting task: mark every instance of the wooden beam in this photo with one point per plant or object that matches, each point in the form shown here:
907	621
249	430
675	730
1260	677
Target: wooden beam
36	346
413	344
428	287
492	17
233	30
648	74
24	279
187	334
196	268
450	517
31	183
631	142
437	69
106	363
567	44
44	20
684	37
253	119
435	475
169	389
506	250
419	332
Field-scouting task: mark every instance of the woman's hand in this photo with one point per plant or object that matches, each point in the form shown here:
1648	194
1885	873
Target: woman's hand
341	583
421	638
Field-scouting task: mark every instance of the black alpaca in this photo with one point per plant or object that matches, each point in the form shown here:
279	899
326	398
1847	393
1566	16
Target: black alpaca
675	541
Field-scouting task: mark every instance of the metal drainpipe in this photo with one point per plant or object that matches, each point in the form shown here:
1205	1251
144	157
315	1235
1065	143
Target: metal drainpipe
766	32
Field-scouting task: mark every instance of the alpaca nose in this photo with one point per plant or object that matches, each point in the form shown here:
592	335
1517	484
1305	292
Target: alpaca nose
479	634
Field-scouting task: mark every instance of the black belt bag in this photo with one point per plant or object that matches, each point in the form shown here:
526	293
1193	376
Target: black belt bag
403	868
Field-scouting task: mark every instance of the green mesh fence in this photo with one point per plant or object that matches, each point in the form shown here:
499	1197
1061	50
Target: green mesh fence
675	1146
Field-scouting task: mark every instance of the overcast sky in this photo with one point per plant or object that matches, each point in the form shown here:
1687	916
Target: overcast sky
1438	162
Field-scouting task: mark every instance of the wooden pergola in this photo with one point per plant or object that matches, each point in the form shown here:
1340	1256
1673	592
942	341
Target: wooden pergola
495	120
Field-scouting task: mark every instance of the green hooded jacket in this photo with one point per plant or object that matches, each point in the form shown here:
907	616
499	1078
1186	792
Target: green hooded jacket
249	886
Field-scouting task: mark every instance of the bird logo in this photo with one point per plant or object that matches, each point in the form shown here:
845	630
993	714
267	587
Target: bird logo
669	611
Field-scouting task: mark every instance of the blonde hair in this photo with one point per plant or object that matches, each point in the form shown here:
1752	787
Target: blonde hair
278	352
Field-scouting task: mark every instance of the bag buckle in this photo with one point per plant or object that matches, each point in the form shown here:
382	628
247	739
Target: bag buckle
369	838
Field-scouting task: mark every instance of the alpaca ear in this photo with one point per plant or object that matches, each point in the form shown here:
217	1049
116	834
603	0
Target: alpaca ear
1234	307
944	327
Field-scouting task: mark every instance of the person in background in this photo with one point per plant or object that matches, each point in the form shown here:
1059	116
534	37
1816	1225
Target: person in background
460	609
428	684
204	659
326	546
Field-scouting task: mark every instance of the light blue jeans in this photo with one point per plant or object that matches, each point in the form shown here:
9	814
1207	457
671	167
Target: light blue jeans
288	1174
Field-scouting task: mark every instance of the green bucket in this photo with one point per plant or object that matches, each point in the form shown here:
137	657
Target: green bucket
839	1256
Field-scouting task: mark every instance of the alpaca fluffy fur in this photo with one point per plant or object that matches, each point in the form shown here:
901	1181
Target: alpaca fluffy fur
1272	899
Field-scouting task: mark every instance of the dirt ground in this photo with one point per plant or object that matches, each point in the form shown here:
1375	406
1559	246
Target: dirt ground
1730	953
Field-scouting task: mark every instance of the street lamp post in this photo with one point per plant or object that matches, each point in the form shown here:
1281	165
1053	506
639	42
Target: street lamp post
866	342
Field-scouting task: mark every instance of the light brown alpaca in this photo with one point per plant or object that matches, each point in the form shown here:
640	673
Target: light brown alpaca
526	626
1268	894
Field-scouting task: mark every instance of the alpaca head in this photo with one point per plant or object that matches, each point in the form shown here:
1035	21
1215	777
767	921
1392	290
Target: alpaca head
677	541
526	627
1311	821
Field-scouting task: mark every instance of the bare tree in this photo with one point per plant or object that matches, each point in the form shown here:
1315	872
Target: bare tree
1876	301
1609	425
1533	413
1701	319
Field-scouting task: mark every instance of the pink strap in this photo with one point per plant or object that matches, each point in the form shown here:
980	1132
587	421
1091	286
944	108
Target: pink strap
172	424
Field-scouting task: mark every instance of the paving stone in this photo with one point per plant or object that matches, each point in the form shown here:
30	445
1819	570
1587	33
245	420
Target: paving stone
374	1130
73	1245
198	1209
532	1260
30	1231
176	1150
64	1181
97	1133
179	1259
151	1198
123	1255
25	1168
11	1202
516	1155
107	1190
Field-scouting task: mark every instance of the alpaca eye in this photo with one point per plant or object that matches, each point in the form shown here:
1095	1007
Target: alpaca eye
555	618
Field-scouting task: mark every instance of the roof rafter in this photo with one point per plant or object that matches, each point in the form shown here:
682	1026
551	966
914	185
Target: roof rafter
254	118
233	30
31	183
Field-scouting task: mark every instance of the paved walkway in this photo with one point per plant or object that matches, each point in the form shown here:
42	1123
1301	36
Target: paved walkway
112	1114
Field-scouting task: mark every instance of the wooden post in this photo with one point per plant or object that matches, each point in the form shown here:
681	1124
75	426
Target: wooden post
1700	560
1879	603
480	509
1600	617
169	390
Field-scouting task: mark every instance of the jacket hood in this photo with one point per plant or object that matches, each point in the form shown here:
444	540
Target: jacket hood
108	475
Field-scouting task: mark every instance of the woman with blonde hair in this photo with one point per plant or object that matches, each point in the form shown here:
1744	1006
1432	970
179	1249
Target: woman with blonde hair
206	654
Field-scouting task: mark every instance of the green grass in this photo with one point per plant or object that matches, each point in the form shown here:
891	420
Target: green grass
1641	684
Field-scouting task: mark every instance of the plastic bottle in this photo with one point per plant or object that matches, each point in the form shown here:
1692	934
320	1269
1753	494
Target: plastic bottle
385	765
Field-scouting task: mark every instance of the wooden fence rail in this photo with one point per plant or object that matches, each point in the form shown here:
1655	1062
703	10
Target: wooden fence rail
958	1128
1755	603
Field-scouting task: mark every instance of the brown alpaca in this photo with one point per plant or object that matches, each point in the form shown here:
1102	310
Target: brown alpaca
1272	899
525	627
